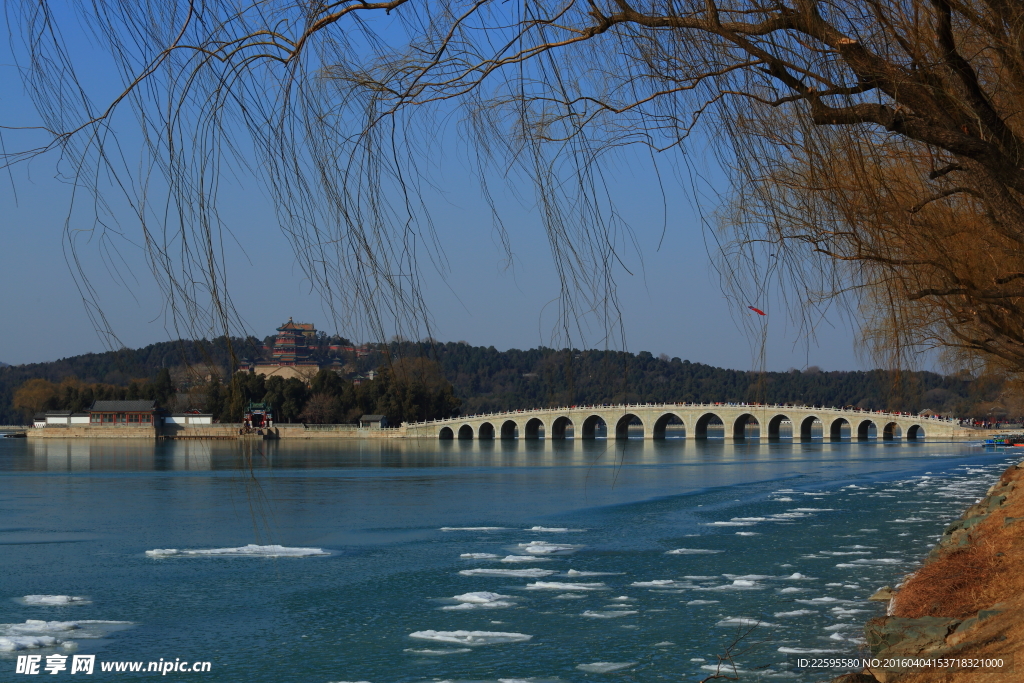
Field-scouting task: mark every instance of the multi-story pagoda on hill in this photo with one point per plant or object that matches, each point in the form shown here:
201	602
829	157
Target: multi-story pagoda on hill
291	347
290	355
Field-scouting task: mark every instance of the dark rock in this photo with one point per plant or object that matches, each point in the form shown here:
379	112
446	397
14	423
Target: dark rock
995	501
883	594
911	635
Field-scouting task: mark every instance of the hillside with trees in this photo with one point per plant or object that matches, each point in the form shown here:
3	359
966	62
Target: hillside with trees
421	380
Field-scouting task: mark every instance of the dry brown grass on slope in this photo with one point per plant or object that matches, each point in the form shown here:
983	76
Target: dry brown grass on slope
989	570
956	585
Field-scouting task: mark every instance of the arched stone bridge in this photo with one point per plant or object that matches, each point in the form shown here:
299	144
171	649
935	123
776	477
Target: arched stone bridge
731	421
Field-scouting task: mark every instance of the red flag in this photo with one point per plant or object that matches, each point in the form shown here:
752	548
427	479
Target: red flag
757	310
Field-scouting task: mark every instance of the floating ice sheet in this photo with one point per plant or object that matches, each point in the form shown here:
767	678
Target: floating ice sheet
564	586
521	573
604	667
608	614
473	528
573	572
693	551
251	550
745	621
545	548
524	558
54	600
446	651
471	638
15	643
479	556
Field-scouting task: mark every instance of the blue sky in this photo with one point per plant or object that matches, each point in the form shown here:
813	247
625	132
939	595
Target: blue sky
672	299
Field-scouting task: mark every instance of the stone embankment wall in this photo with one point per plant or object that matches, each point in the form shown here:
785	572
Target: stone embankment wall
966	601
214	431
92	432
289	431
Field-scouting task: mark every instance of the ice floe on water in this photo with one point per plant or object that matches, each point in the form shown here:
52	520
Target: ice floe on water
860	564
747	533
693	551
745	621
473	528
38	633
702	602
524	558
565	586
53	600
827	600
662	583
438	653
604	667
807	651
608	614
573	572
521	573
570	596
736	585
545	548
251	550
554	529
480	600
471	638
794	613
479	556
16	643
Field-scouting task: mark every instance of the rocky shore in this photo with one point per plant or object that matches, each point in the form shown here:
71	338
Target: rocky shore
966	602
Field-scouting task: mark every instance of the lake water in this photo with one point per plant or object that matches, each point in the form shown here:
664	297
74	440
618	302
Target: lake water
648	559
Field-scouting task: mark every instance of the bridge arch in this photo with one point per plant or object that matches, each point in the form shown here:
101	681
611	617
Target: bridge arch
665	423
807	427
915	432
775	426
446	434
559	427
891	431
591	426
700	427
486	431
739	427
508	429
623	424
534	426
864	430
465	432
835	430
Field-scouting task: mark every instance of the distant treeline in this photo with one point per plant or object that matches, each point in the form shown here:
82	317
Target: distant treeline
420	380
488	380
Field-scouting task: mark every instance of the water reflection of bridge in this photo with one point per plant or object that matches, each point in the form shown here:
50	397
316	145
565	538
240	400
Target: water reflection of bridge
730	421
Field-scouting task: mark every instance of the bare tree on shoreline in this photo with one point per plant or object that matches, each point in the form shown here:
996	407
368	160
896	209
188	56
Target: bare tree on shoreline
874	149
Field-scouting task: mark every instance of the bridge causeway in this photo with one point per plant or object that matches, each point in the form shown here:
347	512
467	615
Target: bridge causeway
736	421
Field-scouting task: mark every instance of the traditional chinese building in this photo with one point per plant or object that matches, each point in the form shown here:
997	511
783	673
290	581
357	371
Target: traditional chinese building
291	347
122	413
291	355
